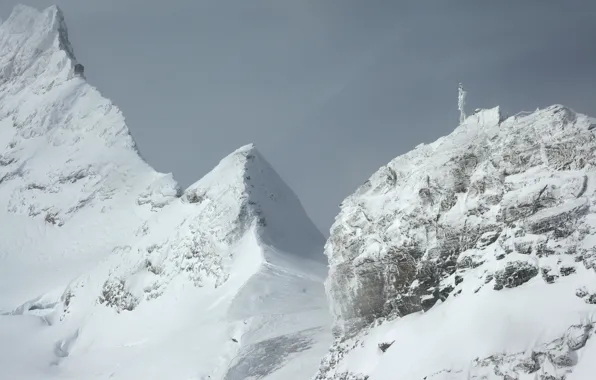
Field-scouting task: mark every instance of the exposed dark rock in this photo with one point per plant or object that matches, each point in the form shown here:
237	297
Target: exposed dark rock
5	161
515	274
428	301
114	294
469	262
53	218
523	247
577	336
444	292
547	276
195	196
581	292
75	176
566	271
543	250
559	220
531	364
79	69
385	345
563	361
488	238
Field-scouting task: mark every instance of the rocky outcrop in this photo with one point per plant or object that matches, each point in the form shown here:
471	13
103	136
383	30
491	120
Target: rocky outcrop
502	194
548	361
553	360
497	206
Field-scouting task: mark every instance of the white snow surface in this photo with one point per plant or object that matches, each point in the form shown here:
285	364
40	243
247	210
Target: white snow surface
109	270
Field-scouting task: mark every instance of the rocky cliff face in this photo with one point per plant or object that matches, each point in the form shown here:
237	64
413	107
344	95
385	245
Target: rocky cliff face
499	208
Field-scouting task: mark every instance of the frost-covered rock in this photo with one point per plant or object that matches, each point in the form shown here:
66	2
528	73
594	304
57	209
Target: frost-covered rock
122	265
501	209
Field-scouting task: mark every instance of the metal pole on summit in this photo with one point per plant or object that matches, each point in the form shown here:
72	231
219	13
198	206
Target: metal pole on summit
461	103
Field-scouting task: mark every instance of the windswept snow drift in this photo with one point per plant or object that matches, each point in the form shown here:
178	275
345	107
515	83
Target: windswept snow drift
473	257
109	270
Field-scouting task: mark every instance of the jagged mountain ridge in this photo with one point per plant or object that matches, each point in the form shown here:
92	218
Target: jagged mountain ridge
120	263
472	257
66	150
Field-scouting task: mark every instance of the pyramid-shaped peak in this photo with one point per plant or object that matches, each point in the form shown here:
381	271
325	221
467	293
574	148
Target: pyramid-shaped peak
230	172
244	168
240	158
235	167
246	149
244	180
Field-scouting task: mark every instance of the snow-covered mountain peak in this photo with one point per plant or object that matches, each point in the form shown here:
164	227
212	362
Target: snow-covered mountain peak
120	263
35	42
484	240
27	20
65	148
246	182
230	171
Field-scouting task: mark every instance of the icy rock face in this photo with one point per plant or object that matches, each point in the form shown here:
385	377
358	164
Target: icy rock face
496	206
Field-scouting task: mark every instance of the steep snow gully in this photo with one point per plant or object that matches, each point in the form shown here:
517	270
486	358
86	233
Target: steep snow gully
109	270
473	257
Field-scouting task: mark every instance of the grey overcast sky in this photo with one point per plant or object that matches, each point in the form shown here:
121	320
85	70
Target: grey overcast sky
329	90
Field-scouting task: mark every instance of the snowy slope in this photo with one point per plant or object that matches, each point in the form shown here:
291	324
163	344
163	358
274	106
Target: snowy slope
66	158
109	270
473	257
